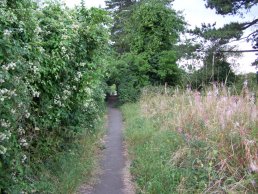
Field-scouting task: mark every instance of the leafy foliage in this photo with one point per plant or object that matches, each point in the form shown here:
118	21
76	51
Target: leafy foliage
151	33
51	84
121	10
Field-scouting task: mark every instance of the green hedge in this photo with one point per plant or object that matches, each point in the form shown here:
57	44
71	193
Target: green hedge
51	83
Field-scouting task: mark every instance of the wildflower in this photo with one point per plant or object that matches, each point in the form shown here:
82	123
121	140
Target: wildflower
79	74
38	30
3	91
9	66
36	129
41	49
63	49
27	115
2	150
21	131
67	92
35	94
24	158
2	136
5	123
7	33
23	142
82	64
35	69
254	166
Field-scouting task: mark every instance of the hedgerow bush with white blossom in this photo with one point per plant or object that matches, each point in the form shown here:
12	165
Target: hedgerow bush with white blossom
51	83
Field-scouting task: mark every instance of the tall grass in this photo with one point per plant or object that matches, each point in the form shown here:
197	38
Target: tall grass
70	169
218	151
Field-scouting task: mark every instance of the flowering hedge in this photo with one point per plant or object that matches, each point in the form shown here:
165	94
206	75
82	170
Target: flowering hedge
51	79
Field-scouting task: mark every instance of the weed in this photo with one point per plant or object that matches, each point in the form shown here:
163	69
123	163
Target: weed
187	142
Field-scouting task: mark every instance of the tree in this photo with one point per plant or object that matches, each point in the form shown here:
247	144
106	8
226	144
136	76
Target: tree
120	10
151	34
235	30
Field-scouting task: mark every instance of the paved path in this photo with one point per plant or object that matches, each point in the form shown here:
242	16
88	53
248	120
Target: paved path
111	180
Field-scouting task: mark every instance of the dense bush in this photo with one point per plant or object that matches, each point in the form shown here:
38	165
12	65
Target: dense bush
51	74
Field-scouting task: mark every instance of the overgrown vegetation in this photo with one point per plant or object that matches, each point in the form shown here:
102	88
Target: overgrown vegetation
55	65
188	142
52	93
147	49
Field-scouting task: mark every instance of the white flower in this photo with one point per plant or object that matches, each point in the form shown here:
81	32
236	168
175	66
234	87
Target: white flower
3	91
63	49
35	94
21	131
2	81
7	32
2	150
36	129
79	74
35	69
2	136
41	49
24	158
82	64
13	111
38	30
5	123
8	134
23	142
9	66
27	115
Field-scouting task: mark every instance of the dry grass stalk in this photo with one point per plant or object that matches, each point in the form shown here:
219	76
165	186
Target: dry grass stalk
228	124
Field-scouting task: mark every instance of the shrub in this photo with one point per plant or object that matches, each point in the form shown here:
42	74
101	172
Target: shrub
50	84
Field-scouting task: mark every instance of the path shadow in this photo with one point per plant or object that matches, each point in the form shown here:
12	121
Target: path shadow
113	101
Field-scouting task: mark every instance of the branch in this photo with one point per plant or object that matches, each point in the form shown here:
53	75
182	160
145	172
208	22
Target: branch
249	24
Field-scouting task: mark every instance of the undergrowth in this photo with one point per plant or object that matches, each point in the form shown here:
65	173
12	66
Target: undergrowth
68	170
187	142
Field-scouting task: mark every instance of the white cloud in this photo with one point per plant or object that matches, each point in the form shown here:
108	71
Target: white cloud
195	14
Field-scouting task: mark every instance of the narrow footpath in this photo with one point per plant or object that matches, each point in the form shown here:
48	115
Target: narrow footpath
113	162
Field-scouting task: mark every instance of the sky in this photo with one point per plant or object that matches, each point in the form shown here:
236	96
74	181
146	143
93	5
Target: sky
195	14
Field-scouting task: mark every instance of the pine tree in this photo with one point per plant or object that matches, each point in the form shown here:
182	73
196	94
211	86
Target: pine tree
121	10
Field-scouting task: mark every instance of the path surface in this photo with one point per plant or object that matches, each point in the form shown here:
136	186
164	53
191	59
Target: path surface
113	163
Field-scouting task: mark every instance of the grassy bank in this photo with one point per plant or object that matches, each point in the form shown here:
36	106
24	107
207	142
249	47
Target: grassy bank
70	169
192	143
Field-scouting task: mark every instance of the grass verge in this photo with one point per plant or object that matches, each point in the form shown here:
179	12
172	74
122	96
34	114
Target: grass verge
150	150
